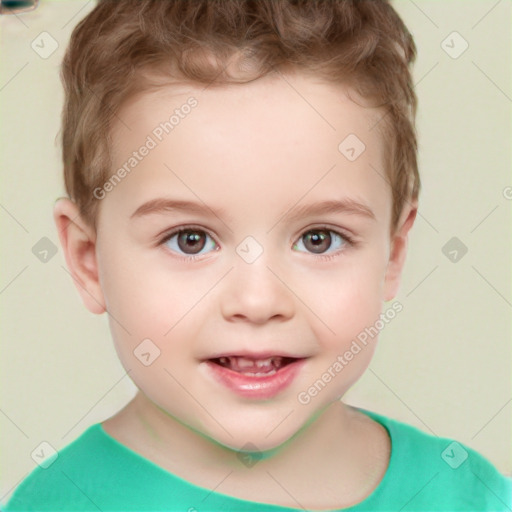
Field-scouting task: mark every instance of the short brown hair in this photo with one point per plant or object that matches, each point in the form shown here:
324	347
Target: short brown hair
113	50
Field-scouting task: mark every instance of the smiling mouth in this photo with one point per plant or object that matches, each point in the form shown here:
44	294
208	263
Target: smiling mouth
254	367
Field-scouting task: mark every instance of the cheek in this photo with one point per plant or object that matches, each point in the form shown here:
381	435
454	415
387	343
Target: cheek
347	301
346	308
152	322
142	295
146	302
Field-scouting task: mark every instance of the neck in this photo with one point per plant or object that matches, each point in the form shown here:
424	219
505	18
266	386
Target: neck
339	450
328	430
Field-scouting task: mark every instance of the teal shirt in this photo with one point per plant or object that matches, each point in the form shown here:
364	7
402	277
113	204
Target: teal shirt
96	472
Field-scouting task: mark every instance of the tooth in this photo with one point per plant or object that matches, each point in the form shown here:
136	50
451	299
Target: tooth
254	367
243	362
260	363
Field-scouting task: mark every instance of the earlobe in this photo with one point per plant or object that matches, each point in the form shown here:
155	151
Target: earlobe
78	242
398	252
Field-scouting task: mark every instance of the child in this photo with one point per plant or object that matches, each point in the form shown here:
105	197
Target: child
277	139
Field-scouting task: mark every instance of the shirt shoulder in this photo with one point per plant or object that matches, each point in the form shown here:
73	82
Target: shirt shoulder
93	472
56	484
97	472
427	472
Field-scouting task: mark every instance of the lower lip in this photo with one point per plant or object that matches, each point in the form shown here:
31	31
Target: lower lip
251	386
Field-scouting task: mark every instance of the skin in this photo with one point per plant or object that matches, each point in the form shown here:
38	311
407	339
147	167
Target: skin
258	151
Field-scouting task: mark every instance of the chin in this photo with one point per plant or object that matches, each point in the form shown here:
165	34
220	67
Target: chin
252	441
255	435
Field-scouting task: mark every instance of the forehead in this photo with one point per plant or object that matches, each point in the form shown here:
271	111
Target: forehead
262	107
279	135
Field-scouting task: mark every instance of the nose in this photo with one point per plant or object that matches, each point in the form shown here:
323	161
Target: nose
256	293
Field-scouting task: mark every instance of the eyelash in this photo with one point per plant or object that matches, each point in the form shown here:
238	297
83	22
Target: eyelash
348	239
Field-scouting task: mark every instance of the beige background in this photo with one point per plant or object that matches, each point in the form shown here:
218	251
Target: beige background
442	365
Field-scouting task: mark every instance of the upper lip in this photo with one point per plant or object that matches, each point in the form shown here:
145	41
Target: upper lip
254	355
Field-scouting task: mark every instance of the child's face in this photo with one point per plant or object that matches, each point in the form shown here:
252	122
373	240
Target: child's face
256	154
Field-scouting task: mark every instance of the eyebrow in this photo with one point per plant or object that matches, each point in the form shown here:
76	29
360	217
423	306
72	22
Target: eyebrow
347	206
165	205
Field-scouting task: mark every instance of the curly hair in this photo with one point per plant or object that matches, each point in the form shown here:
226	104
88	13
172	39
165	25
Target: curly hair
115	49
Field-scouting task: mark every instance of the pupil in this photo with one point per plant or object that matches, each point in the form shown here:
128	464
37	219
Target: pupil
191	240
321	240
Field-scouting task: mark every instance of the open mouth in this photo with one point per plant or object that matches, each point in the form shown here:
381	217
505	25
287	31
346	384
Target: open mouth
254	367
255	376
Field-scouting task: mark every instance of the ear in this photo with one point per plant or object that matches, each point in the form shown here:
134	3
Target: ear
398	251
78	241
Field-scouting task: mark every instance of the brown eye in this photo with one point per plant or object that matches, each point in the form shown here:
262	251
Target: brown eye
317	241
189	242
322	241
